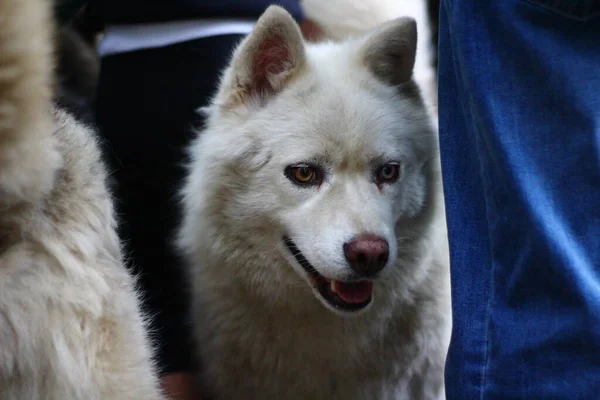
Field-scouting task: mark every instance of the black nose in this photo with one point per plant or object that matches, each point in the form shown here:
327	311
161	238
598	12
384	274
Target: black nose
367	254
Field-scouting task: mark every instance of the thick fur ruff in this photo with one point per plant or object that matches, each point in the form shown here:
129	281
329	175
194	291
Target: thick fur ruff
262	331
70	324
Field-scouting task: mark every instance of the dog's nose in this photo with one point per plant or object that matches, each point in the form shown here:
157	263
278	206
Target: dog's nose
367	254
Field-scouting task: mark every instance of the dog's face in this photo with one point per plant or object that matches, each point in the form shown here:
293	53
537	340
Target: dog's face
317	153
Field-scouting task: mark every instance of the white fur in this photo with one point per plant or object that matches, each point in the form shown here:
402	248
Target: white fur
70	325
261	331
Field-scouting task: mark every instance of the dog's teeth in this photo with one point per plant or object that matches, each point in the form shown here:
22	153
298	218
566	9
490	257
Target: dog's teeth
332	285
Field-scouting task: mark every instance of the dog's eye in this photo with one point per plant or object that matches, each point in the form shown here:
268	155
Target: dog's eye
388	173
303	174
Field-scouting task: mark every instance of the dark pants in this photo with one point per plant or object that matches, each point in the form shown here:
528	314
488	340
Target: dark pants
146	112
519	107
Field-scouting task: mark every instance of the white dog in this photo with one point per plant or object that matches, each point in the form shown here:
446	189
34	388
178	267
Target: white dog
313	222
70	325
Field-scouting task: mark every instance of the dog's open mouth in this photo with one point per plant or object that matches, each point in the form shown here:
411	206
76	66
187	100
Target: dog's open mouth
346	296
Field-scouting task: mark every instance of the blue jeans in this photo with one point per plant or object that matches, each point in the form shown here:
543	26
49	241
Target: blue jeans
519	108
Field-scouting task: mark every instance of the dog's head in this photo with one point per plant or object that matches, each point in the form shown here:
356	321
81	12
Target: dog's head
313	154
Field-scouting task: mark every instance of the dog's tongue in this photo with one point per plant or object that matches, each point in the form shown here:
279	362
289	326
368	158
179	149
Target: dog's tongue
353	292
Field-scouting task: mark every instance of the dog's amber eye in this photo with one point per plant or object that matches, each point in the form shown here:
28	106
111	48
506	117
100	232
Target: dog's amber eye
303	174
388	173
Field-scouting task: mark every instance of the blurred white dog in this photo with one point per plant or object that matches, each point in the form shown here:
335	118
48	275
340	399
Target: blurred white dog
70	324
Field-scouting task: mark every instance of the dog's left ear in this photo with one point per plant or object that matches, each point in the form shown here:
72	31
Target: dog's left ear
266	60
389	51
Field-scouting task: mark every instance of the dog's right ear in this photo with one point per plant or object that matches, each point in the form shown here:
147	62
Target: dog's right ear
266	60
389	51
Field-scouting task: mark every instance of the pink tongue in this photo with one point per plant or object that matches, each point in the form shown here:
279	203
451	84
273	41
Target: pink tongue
354	292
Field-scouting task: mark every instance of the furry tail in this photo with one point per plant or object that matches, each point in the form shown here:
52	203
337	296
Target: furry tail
28	159
344	18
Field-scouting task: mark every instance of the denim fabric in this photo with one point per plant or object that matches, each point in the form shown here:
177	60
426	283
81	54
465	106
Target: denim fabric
519	108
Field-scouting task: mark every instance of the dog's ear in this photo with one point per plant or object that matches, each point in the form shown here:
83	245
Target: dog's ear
389	51
267	59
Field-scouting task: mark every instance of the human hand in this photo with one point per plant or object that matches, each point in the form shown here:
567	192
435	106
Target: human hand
311	30
180	386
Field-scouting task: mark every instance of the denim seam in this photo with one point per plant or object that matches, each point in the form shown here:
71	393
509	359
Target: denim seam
462	83
492	270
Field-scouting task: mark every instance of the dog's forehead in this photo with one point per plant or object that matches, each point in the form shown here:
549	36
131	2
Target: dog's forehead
342	125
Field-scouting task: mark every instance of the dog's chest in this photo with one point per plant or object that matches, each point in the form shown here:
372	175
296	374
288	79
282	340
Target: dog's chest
285	358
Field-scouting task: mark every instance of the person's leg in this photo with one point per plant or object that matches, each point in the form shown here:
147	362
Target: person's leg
519	108
146	110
